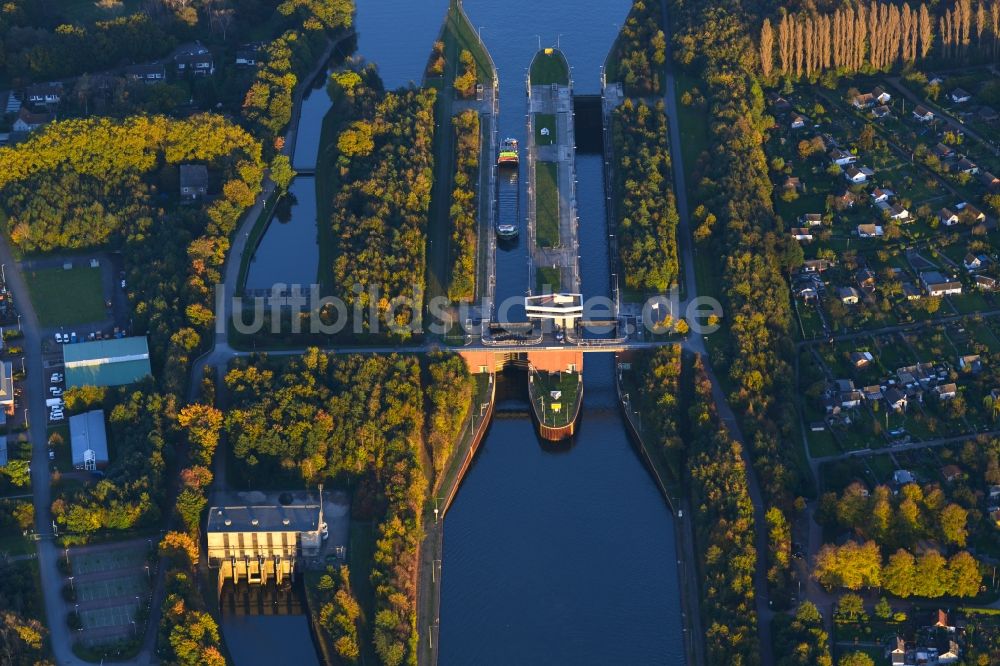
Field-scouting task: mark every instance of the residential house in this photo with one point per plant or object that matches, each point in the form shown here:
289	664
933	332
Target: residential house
842	157
965	165
946	391
855	175
959	96
947	217
896	651
880	195
866	279
943	152
870	231
911	291
815	265
880	95
44	94
862	101
861	359
194	181
807	293
972	262
895	399
970	363
897	212
935	79
951	473
848	295
902	477
28	121
802	234
799	121
844	199
941	621
780	104
154	72
7	388
851	399
948	653
989	180
248	54
880	112
194	59
922	114
938	285
811	220
792	183
986	283
972	214
873	392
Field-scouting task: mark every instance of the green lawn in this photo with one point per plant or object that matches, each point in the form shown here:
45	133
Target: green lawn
545	121
546	276
546	204
548	67
65	298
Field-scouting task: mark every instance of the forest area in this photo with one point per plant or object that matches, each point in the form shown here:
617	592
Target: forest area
873	37
358	421
381	202
88	184
43	39
640	52
712	470
464	207
647	216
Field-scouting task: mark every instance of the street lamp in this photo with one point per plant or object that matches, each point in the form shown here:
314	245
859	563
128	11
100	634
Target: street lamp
71	586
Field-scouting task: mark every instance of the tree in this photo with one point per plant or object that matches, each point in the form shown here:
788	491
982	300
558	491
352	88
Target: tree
899	574
851	565
953	524
766	49
965	575
883	610
855	659
931	575
851	607
18	471
281	171
179	547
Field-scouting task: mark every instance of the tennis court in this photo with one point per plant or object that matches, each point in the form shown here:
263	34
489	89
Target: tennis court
108	560
109	589
111	616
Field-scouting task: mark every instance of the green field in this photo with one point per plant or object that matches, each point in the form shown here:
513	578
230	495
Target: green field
545	121
65	298
548	67
546	204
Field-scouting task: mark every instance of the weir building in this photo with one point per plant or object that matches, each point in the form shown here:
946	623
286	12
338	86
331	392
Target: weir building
261	544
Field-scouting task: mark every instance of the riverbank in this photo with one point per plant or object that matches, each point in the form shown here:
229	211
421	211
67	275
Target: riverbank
676	498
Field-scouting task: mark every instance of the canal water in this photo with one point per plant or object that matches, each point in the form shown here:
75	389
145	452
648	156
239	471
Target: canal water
553	554
559	554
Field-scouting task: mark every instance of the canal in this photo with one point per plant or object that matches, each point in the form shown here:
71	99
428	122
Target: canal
565	554
553	555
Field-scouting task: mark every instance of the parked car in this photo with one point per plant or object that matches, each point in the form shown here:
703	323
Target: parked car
56	377
59	338
55	390
72	336
55	416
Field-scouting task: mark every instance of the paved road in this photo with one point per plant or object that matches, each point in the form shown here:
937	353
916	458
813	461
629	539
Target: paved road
899	328
895	82
34	383
696	343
